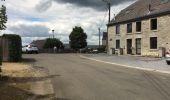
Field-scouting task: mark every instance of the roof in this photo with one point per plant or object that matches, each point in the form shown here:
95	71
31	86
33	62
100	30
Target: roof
142	9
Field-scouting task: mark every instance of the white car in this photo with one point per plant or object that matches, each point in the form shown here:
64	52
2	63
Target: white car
168	57
95	51
31	48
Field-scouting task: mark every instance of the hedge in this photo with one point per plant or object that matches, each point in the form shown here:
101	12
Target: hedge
15	47
0	55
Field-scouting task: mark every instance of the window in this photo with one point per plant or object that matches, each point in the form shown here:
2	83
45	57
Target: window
117	29
138	26
117	44
129	28
153	43
153	24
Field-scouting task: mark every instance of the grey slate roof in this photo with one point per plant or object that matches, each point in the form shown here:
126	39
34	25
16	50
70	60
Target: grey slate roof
142	9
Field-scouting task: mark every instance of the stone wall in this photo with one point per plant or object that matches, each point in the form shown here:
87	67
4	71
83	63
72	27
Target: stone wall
4	48
162	33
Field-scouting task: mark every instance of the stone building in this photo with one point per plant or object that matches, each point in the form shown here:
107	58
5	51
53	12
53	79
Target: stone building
143	28
39	44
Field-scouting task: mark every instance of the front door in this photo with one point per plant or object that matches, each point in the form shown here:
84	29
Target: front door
138	46
129	46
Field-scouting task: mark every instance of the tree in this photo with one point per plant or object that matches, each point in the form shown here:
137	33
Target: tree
53	42
78	38
3	18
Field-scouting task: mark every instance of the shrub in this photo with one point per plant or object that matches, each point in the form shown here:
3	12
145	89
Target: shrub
0	55
102	49
15	47
53	42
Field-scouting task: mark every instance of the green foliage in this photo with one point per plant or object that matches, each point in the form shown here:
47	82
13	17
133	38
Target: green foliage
53	42
15	47
102	49
3	18
0	54
78	38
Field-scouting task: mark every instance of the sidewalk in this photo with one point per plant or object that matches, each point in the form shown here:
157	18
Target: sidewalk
143	63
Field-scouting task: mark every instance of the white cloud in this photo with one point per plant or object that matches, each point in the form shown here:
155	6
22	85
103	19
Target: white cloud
30	23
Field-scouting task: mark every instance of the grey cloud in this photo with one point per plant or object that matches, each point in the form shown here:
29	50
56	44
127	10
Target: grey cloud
98	5
30	30
44	5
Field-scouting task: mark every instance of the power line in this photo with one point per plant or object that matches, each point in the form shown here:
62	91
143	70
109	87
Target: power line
103	20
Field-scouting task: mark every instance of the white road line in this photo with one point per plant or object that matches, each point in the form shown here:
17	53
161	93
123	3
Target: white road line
146	69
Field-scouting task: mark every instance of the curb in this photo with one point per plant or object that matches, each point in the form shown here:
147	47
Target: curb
127	66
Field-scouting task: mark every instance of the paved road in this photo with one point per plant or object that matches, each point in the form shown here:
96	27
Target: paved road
82	79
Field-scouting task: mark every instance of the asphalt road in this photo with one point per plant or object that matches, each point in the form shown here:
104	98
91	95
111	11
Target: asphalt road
82	79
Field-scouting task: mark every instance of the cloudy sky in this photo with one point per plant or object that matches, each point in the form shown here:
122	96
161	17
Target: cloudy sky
34	19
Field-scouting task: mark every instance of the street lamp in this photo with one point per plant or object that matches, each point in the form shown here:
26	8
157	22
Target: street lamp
53	33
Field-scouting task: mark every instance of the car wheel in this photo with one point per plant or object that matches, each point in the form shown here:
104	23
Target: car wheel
168	62
36	52
27	52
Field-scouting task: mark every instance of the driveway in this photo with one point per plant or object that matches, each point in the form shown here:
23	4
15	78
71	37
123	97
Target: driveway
81	79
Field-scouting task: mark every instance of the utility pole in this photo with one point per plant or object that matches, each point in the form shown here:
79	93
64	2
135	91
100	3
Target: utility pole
53	33
109	7
99	36
108	2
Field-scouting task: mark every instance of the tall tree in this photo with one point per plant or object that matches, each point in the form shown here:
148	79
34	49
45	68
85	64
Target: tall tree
78	38
53	42
3	18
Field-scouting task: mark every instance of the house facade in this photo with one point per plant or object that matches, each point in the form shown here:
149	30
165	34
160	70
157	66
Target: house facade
143	28
40	44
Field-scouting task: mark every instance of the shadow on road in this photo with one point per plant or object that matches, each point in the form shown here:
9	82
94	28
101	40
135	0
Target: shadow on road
28	60
61	99
10	92
25	79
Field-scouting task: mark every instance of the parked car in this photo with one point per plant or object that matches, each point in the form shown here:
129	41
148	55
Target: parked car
31	48
168	57
85	50
95	51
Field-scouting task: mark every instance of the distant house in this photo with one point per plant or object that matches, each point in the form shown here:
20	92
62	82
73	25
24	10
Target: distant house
39	44
67	46
104	39
141	29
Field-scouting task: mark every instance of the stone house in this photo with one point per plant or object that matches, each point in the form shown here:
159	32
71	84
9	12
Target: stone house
142	28
40	44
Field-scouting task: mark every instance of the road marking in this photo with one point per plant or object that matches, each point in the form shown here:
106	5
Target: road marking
127	66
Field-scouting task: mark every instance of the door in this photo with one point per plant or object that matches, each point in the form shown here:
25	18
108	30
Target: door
138	46
129	46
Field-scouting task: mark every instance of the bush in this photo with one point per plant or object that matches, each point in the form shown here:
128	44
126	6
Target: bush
53	42
102	49
0	55
15	47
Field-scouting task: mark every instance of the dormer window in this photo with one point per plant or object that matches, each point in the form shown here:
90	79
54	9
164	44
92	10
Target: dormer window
164	1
